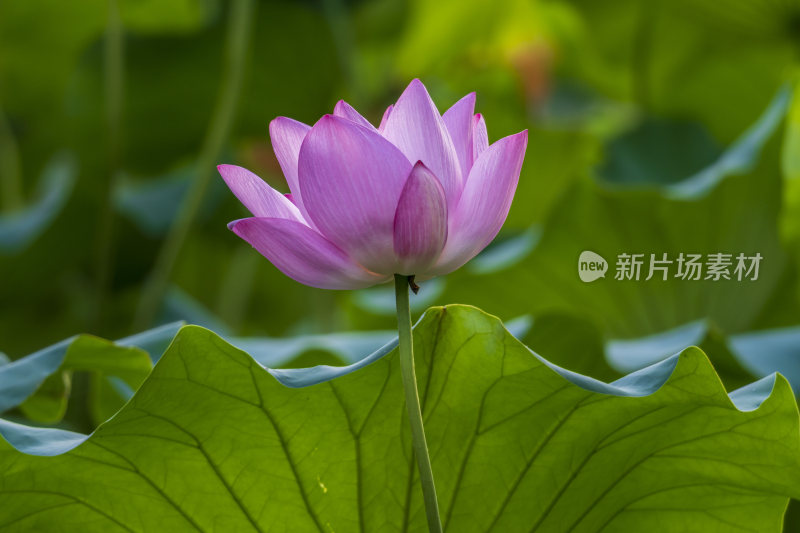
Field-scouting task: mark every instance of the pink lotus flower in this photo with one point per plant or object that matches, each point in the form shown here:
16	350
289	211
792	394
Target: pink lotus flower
420	195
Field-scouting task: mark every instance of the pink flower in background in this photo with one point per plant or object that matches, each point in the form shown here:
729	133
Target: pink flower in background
420	195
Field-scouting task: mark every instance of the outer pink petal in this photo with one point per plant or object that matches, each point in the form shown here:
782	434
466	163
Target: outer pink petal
303	254
458	120
484	203
385	118
351	180
420	222
480	138
261	199
345	110
287	135
415	126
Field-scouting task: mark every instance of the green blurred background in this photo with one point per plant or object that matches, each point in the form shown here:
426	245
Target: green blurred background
114	114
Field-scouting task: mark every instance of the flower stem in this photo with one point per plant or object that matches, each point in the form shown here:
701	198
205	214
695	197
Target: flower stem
406	346
10	173
114	50
238	38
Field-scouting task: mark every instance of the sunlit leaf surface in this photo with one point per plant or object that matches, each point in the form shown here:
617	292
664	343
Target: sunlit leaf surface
213	441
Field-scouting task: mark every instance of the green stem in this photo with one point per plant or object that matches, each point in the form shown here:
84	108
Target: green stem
114	73
643	53
10	173
406	346
114	86
238	37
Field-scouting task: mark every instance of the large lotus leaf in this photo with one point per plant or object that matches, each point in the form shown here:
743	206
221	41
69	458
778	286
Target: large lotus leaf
212	441
39	384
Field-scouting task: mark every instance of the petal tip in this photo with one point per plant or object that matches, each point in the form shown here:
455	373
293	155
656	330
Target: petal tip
275	122
284	124
416	85
327	118
228	173
232	225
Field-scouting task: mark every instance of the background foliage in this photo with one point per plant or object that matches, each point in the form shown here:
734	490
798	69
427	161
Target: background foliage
654	126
